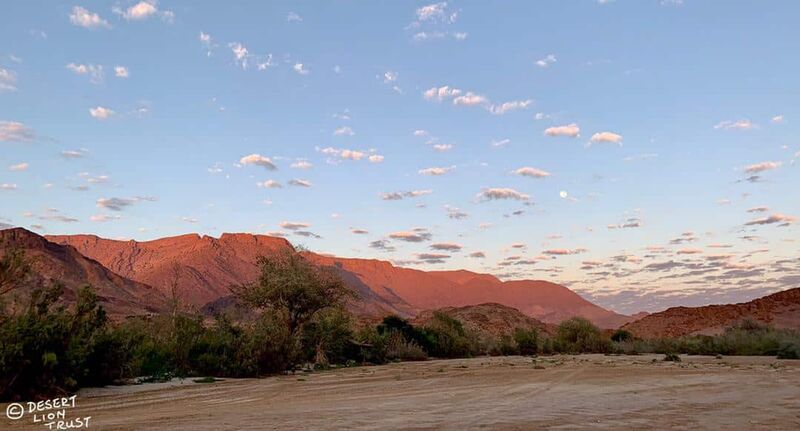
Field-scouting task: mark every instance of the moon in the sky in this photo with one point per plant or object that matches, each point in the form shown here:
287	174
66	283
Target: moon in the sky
563	194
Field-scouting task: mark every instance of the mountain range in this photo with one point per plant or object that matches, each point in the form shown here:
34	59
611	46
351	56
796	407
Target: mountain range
136	277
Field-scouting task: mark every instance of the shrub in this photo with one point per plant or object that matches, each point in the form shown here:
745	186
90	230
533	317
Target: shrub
399	348
527	341
671	357
789	350
449	338
578	335
621	335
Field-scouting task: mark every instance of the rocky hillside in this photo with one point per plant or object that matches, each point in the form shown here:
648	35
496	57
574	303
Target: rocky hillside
120	296
781	310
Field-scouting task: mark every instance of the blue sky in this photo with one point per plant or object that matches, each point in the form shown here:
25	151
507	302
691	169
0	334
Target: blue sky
620	147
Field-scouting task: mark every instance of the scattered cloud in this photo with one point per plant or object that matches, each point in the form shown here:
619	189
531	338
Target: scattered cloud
301	69
73	154
782	219
570	130
8	80
455	213
382	245
269	184
300	183
357	231
294	225
530	172
477	255
144	10
396	196
86	19
301	164
121	72
502	194
102	218
119	204
19	167
344	131
761	167
564	251
514	105
94	71
446	246
415	235
606	138
8	186
759	209
13	131
258	160
100	112
736	125
546	61
436	171
778	119
630	223
293	17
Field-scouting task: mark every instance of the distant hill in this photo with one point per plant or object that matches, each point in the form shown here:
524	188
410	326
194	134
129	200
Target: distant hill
118	295
206	267
781	310
490	319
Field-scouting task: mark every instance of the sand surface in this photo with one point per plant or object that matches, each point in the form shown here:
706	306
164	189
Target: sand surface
571	392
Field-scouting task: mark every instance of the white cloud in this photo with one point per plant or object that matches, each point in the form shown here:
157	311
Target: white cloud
736	125
144	10
73	154
95	72
300	183
396	196
416	235
19	167
344	131
446	246
119	204
761	167
269	184
8	80
500	143
83	18
778	119
435	11
531	172
258	160
293	17
502	193
301	164
121	71
294	225
514	105
470	99
301	69
375	158
441	93
100	112
442	147
420	133
389	77
570	130
189	219
13	131
606	138
783	219
7	186
436	171
546	61
240	54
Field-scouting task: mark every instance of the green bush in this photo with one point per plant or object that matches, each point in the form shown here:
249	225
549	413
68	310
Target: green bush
578	335
527	341
789	350
449	338
621	336
400	348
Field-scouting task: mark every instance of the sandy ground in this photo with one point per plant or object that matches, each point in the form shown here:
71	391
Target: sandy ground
570	392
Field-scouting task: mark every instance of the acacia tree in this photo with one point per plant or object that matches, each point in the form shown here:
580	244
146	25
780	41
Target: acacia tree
292	285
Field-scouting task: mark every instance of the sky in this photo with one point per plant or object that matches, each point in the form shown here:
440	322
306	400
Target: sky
643	153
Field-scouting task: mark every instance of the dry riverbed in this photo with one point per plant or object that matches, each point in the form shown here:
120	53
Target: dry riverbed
558	392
